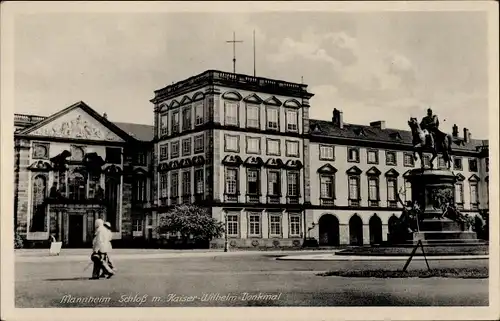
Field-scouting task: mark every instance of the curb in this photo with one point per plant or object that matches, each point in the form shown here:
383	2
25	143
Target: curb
376	258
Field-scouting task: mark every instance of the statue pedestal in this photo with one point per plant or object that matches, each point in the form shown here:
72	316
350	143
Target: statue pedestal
431	188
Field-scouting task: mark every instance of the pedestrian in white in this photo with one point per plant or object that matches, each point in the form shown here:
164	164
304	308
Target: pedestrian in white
110	247
100	248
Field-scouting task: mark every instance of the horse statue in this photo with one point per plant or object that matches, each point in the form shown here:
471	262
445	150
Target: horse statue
421	143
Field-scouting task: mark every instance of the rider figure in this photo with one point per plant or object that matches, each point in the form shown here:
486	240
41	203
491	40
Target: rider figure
431	124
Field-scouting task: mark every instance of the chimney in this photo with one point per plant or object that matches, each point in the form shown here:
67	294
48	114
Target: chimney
455	131
466	135
378	124
105	115
337	118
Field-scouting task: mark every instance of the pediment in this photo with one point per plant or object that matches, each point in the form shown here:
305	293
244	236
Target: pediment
173	164
273	101
77	123
198	96
293	164
253	161
391	173
292	103
474	178
185	100
140	171
407	173
354	171
373	171
460	177
198	160
327	169
186	162
163	167
40	166
92	161
232	95
274	163
113	170
173	104
253	99
232	160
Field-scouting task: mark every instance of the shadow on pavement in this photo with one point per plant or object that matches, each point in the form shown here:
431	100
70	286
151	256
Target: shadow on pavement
69	279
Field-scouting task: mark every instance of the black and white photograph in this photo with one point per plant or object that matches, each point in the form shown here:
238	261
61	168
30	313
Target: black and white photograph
250	155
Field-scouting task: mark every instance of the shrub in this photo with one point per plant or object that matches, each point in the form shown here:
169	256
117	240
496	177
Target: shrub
18	241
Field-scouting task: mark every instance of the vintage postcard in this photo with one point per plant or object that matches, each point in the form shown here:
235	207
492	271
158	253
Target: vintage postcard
249	160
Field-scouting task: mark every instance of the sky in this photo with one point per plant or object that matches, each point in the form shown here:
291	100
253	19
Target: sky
371	65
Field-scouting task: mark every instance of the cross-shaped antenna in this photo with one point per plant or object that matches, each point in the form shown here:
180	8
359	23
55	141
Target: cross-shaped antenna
234	41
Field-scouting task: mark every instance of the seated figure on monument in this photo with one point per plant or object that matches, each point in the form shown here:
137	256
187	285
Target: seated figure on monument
430	123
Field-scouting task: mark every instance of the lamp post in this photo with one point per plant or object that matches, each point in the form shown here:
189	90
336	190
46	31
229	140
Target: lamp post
225	232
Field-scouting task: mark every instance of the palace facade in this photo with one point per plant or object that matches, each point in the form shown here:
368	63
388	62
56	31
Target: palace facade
243	146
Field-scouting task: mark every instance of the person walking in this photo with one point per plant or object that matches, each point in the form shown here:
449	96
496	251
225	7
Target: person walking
100	248
109	233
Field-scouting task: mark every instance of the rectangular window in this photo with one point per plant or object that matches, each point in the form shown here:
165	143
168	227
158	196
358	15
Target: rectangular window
408	191
231	114
326	152
137	225
164	124
140	190
199	181
199	144
186	118
113	155
459	194
186	147
408	160
457	163
392	190
294	225
472	165
232	143
273	147
141	158
253	181
186	183
253	145
292	149
327	187
174	185
274	183
352	154
163	185
354	191
199	114
427	161
293	184
164	152
373	194
372	156
474	196
232	225
390	158
273	118
254	225
274	225
291	120
94	180
253	116
174	149
175	122
231	181
441	162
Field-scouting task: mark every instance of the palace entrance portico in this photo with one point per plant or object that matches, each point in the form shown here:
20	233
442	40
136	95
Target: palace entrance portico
73	224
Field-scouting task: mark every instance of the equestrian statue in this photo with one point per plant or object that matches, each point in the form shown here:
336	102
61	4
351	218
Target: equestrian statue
428	138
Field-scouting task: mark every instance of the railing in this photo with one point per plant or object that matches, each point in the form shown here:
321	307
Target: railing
253	198
273	199
327	201
231	77
28	118
292	199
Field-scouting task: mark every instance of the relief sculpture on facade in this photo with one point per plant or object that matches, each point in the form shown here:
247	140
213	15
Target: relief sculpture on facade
76	128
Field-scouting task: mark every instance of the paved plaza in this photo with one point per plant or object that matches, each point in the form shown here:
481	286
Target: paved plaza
163	278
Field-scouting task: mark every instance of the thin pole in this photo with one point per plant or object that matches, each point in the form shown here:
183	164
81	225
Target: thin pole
254	53
234	41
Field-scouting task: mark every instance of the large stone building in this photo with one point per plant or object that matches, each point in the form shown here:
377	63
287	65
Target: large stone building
243	146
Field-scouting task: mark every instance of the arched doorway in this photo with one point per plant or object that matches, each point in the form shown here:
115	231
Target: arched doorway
355	230
393	222
375	230
329	230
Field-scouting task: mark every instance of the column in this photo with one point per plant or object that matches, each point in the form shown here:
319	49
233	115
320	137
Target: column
366	234
284	224
265	224
385	231
243	224
344	233
263	185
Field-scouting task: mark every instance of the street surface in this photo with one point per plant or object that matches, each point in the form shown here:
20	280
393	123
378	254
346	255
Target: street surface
234	279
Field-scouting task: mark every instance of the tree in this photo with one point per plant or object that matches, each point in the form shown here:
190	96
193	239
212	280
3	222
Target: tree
190	221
